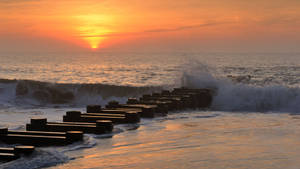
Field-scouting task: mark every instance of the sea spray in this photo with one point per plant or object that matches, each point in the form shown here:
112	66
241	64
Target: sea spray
231	95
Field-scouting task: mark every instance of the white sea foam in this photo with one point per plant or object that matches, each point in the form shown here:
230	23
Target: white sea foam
233	96
39	159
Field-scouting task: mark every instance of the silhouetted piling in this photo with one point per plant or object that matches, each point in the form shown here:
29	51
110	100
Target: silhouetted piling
12	153
93	108
75	116
203	96
64	127
37	138
147	111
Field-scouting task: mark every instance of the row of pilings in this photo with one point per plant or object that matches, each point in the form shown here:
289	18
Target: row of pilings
98	120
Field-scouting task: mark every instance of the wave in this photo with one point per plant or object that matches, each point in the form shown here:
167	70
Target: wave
29	92
239	94
232	93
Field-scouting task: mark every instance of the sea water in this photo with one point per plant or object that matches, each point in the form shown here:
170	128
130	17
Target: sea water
253	121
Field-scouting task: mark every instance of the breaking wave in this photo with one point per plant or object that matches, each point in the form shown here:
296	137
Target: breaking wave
239	94
232	93
20	92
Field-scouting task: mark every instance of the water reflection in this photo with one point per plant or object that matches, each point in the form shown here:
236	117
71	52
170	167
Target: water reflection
226	141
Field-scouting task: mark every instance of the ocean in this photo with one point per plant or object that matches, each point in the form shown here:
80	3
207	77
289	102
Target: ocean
253	121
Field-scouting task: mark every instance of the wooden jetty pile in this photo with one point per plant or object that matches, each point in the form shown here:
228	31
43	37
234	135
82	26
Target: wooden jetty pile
41	124
115	116
39	138
12	153
98	120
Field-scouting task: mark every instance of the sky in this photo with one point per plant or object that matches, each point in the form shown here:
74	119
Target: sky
136	25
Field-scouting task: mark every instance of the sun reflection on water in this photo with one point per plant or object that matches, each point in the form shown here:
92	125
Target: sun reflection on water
227	141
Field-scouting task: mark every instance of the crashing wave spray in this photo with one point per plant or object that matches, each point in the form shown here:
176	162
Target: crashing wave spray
233	96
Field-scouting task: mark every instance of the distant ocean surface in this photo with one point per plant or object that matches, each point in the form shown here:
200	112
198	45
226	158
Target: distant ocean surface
254	120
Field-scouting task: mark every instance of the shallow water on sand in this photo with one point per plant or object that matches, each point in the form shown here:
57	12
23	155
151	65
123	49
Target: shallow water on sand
199	140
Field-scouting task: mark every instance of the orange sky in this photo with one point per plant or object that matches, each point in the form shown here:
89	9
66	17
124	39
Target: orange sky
185	25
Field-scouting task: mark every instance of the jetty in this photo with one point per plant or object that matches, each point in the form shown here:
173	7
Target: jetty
99	120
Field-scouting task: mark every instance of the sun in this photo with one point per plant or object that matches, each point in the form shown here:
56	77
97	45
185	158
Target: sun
94	29
94	42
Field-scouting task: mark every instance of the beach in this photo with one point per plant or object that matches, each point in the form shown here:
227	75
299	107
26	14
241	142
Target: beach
252	123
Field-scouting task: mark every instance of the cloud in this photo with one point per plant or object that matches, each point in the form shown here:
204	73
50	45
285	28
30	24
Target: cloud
184	27
180	28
